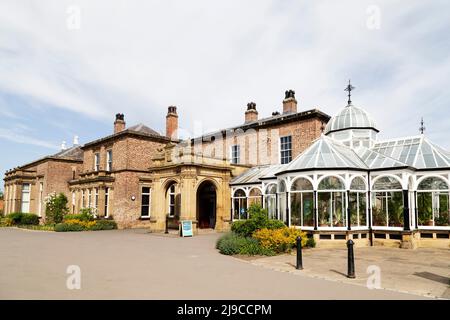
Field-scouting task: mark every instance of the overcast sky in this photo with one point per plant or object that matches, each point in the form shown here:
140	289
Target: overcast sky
66	67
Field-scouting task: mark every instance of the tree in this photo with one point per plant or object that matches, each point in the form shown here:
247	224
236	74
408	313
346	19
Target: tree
56	207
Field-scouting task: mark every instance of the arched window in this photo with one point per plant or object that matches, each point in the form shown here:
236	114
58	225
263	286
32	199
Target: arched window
387	203
331	203
433	202
255	197
357	203
239	205
270	200
282	201
302	203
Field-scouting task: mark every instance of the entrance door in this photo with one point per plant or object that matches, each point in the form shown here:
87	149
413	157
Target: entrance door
206	205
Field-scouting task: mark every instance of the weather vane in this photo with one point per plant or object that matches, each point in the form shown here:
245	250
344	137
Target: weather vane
422	127
349	88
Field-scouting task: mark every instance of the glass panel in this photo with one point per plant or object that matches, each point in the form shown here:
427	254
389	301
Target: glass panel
387	183
271	206
357	205
331	183
308	207
254	200
296	209
239	193
433	183
301	184
271	189
387	209
441	215
358	184
282	187
324	209
425	208
255	192
338	206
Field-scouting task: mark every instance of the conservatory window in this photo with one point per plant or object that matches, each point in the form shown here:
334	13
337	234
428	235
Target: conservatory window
302	203
433	202
270	200
358	203
239	205
331	203
282	201
255	197
387	203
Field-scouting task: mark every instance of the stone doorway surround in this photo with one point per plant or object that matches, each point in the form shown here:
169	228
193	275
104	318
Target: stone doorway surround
190	171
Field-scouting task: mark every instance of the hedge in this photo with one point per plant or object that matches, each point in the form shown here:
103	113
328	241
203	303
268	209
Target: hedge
19	218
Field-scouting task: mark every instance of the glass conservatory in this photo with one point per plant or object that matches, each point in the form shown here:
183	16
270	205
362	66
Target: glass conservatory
347	182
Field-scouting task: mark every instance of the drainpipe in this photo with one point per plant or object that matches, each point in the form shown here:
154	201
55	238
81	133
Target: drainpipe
369	209
406	222
315	210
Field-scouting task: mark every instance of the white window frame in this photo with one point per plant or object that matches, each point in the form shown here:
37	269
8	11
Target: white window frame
172	193
97	161
107	202
286	150
41	192
149	194
25	205
109	160
235	158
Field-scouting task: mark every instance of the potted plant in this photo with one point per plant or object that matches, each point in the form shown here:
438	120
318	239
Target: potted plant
338	218
426	217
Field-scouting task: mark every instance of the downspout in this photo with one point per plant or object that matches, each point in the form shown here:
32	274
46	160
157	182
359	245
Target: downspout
369	208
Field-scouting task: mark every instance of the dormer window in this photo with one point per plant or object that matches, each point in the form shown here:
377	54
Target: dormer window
97	161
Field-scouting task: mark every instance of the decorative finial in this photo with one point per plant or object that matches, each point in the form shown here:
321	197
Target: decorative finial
349	88
422	127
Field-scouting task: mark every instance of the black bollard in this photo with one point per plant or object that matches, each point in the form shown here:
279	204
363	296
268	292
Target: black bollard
167	224
299	254
350	260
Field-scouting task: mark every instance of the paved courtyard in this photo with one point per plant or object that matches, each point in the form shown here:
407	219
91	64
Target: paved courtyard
425	271
133	264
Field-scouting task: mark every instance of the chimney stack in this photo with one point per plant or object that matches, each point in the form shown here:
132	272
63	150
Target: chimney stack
251	114
289	102
172	123
119	124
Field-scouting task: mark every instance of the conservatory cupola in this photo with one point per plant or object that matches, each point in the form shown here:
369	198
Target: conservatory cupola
352	125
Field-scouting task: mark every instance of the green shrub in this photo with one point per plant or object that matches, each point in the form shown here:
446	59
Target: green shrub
29	219
56	207
104	225
311	243
232	243
83	216
64	227
258	219
14	218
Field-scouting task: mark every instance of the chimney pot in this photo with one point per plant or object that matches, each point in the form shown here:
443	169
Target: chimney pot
63	145
119	124
289	102
251	114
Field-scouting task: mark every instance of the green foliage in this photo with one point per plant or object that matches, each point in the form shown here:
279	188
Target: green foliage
232	243
64	227
19	218
84	215
29	219
258	219
280	240
56	208
311	243
80	225
104	225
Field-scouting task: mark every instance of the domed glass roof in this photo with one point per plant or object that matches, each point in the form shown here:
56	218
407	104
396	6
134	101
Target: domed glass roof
350	117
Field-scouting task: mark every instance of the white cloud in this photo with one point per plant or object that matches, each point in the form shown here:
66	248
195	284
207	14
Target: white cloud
18	137
210	58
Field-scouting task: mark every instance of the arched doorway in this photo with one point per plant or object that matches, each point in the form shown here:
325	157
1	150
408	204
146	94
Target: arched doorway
206	205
